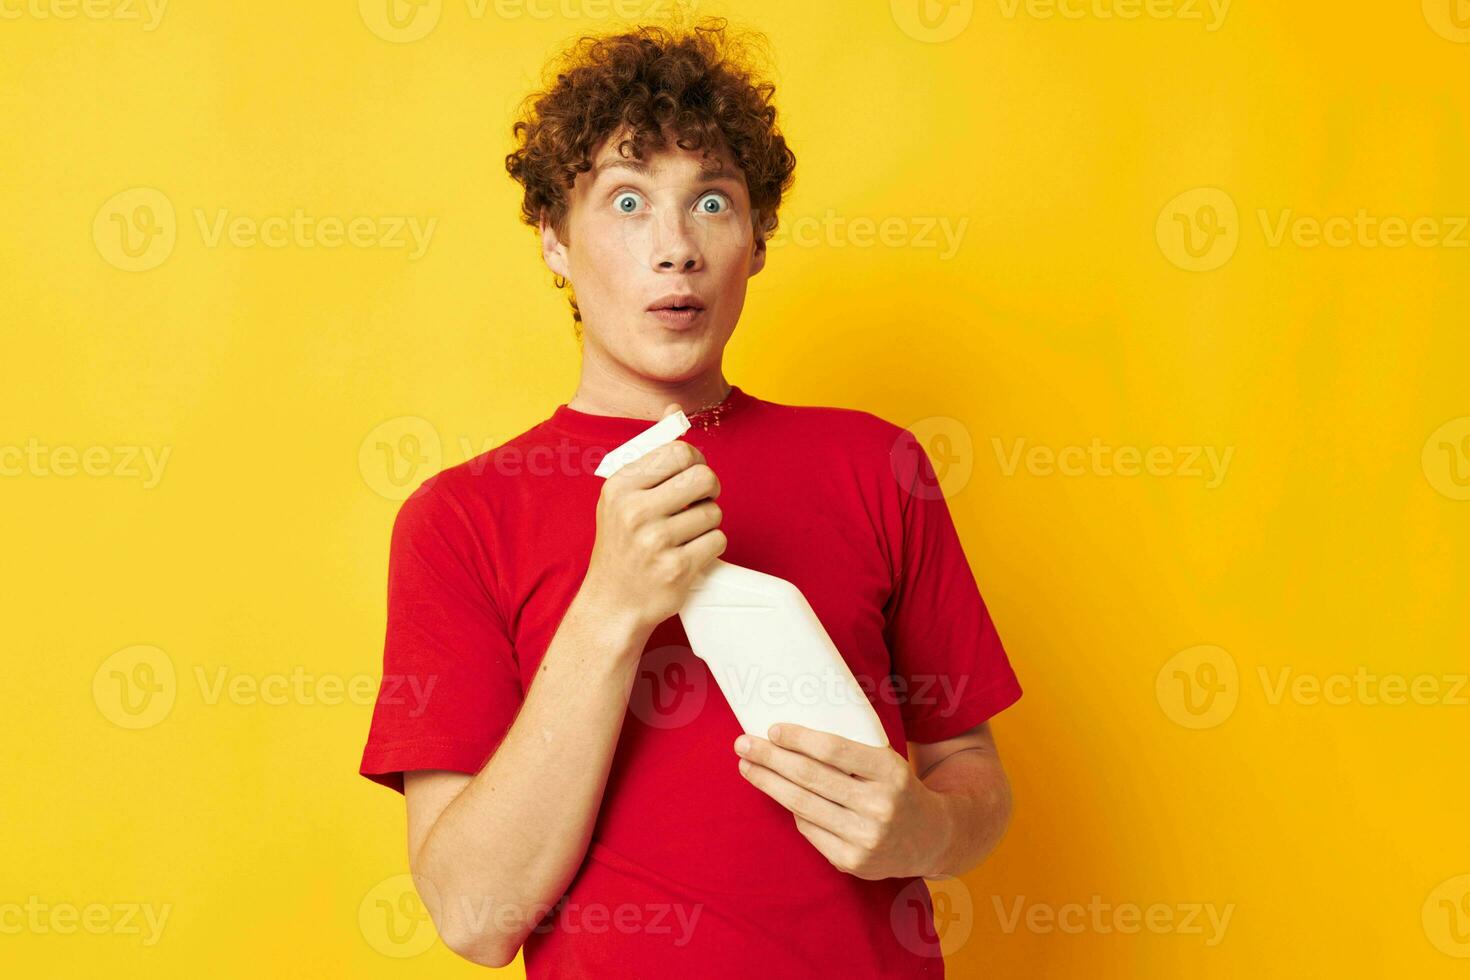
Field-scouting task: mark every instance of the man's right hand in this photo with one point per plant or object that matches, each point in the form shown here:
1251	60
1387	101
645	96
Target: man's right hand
657	530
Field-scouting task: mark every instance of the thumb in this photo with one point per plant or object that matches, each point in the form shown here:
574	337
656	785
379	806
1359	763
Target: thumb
670	409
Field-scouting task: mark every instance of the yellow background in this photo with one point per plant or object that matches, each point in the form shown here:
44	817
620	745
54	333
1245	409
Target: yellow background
1335	540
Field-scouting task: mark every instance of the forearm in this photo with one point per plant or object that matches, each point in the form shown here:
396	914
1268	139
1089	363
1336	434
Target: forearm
974	798
507	846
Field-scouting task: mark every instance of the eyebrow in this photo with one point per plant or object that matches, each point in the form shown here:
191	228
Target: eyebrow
707	174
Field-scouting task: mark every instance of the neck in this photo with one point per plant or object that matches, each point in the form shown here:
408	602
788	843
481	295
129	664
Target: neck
642	397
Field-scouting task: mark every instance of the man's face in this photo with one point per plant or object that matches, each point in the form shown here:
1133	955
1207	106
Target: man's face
640	232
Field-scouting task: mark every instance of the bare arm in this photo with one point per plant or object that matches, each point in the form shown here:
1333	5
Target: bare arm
974	791
499	848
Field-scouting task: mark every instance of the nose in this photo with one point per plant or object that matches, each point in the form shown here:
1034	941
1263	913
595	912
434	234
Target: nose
676	244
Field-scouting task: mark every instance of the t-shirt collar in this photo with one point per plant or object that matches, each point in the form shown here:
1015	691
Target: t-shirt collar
588	426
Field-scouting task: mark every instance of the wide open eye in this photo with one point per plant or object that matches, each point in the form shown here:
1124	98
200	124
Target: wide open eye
716	198
626	202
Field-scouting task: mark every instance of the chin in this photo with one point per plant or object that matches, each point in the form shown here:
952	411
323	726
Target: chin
672	365
675	372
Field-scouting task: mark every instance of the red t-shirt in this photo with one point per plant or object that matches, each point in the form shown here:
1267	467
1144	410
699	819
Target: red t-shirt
692	871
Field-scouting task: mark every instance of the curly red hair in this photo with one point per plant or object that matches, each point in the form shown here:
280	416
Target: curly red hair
697	85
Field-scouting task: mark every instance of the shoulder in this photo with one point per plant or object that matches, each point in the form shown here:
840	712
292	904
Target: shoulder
848	438
887	461
838	424
465	493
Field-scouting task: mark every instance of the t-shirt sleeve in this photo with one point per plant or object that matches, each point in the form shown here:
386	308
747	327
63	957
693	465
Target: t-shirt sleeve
950	670
450	686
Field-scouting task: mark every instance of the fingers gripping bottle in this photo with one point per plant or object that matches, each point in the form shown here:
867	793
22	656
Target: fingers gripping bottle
765	647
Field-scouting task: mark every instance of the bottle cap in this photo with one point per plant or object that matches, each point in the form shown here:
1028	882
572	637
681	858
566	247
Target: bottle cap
662	432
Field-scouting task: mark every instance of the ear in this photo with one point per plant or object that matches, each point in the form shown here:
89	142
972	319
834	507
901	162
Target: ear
553	251
758	257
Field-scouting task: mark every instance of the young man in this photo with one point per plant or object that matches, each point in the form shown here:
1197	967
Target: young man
576	784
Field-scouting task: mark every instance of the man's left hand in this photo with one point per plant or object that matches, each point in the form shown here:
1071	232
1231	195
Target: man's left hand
861	806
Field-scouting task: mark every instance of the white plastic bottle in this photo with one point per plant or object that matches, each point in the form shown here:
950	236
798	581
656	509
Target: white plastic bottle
763	644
